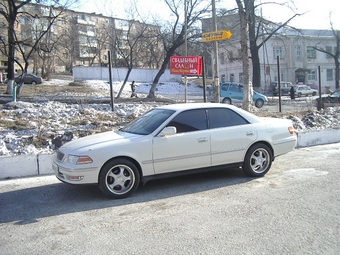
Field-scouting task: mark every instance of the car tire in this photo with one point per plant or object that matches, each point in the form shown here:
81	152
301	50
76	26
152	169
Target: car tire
299	94
226	100
33	83
259	103
119	178
314	93
258	160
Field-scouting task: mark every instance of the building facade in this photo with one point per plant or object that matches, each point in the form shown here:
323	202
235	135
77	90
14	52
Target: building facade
78	39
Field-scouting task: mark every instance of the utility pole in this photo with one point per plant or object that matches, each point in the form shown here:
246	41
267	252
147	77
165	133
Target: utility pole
216	72
186	49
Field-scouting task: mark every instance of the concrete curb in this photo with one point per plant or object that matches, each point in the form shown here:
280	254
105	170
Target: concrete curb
32	165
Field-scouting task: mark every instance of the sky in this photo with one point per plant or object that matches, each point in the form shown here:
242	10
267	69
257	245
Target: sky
316	12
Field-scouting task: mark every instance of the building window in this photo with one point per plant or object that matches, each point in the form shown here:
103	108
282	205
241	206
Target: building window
277	52
223	78
312	75
311	53
232	77
282	75
329	50
329	74
298	53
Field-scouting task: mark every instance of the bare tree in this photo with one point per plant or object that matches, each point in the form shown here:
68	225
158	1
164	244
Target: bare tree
130	43
68	46
334	54
174	35
243	13
13	10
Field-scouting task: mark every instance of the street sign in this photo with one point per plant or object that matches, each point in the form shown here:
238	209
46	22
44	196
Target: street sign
189	65
216	36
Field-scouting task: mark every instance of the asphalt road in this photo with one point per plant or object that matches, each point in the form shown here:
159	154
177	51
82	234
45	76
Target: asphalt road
294	209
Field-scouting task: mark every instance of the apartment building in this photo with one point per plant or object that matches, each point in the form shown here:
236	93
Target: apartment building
79	39
299	60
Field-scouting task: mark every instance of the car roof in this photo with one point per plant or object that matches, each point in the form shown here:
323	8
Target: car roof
301	85
189	106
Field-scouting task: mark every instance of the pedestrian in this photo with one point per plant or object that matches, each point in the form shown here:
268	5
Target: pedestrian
133	89
292	93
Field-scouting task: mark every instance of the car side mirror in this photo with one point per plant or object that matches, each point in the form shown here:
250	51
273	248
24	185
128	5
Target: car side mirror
168	131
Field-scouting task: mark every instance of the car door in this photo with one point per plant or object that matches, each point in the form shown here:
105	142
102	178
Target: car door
236	91
224	90
187	149
231	136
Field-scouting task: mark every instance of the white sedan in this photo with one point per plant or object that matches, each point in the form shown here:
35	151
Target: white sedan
172	140
304	90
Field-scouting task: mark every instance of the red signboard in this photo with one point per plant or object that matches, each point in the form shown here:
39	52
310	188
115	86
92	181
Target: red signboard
189	65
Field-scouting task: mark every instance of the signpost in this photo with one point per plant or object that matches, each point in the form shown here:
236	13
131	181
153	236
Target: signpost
185	66
216	36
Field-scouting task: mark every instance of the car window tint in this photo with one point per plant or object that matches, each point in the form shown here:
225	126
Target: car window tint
191	120
225	87
219	117
234	87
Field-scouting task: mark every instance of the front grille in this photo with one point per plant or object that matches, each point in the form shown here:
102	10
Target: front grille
60	156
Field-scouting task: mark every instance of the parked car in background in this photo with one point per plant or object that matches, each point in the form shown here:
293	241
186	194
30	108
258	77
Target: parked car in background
174	140
329	100
304	90
232	92
29	79
285	87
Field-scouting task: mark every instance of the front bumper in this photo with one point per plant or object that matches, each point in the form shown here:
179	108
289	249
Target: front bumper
75	176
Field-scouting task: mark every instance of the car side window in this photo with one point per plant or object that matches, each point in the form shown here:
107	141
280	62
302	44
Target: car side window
234	87
188	121
225	87
221	117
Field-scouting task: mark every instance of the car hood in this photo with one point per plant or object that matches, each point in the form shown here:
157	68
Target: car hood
259	95
92	142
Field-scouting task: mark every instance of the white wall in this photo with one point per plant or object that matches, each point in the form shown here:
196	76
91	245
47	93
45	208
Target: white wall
81	73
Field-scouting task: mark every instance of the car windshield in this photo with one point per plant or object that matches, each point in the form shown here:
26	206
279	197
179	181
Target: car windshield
147	123
336	93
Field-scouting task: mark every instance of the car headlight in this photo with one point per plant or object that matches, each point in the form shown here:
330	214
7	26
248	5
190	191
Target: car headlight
76	160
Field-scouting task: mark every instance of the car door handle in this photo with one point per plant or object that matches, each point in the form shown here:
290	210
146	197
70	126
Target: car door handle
202	140
249	133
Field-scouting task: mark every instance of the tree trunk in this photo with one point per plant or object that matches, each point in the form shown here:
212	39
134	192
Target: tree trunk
11	47
244	51
125	80
254	50
255	59
160	73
